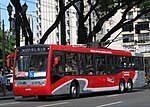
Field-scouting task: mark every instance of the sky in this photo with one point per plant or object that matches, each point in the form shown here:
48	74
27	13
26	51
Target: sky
4	14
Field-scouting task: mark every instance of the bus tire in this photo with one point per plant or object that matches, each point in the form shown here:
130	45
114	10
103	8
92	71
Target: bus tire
121	86
129	85
74	90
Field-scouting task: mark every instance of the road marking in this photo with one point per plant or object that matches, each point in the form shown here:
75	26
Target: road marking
110	104
9	103
113	95
53	104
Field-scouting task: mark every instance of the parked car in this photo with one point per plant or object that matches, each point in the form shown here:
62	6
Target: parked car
9	82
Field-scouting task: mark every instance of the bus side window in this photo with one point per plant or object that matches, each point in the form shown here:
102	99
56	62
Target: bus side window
110	65
81	63
71	64
90	68
100	64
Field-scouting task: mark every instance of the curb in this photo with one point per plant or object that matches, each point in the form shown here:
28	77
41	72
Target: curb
6	97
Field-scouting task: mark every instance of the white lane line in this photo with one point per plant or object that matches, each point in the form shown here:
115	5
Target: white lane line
53	104
3	104
113	95
110	104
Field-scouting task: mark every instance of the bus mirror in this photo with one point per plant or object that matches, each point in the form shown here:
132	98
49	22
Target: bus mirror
8	63
55	61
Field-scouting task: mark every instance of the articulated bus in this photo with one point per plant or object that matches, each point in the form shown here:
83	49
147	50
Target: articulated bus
48	70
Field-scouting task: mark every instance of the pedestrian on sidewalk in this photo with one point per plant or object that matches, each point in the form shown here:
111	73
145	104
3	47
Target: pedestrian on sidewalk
3	85
0	84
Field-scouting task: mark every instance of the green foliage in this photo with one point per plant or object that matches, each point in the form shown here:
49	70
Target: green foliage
9	45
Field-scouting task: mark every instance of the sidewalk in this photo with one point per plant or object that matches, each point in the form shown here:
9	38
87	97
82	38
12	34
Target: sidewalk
9	95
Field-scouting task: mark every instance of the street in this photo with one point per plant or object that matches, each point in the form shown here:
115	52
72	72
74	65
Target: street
138	98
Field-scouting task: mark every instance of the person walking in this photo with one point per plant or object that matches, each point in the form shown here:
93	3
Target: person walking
3	85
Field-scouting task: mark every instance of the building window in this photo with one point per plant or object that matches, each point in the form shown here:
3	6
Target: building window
56	8
144	49
57	35
143	37
68	31
68	13
130	15
144	25
68	23
128	27
144	16
128	38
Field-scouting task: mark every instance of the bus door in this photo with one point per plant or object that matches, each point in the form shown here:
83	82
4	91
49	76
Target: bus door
57	66
114	66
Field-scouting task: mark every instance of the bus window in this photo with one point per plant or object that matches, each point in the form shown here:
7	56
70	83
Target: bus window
71	64
90	68
117	64
138	63
110	65
81	63
127	63
100	64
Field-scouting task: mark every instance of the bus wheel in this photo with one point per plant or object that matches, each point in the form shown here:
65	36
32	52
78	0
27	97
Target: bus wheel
121	86
129	86
41	98
74	90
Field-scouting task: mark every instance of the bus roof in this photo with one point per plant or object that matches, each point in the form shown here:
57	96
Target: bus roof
83	48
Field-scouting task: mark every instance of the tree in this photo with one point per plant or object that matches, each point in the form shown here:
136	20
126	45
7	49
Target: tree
58	19
9	46
104	10
21	21
108	8
128	5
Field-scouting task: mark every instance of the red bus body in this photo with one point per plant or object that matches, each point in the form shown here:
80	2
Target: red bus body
10	58
31	83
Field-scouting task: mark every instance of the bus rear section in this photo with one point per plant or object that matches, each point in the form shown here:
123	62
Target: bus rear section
30	71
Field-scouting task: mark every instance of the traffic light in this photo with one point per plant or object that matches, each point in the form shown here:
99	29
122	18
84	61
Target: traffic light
137	29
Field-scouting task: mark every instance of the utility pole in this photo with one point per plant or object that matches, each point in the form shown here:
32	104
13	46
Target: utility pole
3	52
3	49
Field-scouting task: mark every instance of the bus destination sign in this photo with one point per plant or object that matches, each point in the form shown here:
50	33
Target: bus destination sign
34	49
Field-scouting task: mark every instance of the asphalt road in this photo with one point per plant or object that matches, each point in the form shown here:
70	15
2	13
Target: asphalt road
137	98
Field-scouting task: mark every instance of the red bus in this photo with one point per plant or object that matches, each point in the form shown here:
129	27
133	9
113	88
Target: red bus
46	70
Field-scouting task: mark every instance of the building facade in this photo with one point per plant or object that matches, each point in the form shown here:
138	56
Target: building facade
136	36
127	39
46	13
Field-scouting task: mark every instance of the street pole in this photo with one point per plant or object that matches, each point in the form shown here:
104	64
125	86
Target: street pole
3	52
3	49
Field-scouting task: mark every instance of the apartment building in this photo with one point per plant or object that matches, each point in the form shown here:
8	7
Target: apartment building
46	13
136	36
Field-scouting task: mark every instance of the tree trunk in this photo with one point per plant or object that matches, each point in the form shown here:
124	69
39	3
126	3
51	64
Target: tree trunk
62	24
82	32
58	19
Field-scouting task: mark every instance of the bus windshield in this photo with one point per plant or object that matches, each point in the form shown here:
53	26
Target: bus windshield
33	65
